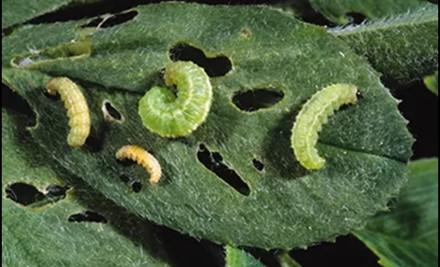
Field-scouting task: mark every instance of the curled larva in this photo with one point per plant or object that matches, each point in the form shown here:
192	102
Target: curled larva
143	158
174	115
312	116
77	109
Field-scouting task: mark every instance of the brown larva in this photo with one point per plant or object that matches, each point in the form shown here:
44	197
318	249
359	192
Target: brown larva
77	109
143	158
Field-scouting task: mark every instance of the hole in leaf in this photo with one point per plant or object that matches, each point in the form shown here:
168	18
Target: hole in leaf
258	164
110	113
24	194
214	67
253	100
135	184
52	97
112	20
14	102
96	139
214	162
87	216
56	192
356	18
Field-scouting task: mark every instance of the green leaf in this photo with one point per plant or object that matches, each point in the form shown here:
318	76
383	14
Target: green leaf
404	47
408	235
339	11
19	11
286	261
431	82
41	235
366	145
236	257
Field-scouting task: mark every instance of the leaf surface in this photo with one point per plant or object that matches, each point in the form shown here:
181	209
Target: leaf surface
236	257
403	47
366	145
19	11
431	82
340	11
408	235
42	235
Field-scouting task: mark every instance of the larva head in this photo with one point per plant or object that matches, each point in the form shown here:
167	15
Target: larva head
55	84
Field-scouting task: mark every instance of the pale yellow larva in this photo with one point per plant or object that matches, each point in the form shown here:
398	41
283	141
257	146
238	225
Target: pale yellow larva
143	158
312	116
77	109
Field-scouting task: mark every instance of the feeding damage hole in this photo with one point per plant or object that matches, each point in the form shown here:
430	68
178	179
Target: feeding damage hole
111	20
258	164
56	192
87	216
110	113
355	17
214	67
135	184
214	162
253	100
26	194
13	101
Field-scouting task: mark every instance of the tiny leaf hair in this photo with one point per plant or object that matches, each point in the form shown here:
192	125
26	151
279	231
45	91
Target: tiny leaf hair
312	116
168	115
77	109
143	158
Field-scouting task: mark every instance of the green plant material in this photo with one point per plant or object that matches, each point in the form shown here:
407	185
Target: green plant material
404	47
339	11
286	261
408	235
41	235
26	41
366	146
235	257
431	82
19	11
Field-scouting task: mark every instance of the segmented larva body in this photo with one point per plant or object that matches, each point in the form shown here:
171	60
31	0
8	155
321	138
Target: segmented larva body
77	109
143	158
168	115
312	116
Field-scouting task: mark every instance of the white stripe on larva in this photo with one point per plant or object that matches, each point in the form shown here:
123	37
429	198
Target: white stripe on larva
77	109
312	116
143	158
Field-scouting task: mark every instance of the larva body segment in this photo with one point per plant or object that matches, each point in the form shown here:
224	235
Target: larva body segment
76	106
312	116
168	115
143	158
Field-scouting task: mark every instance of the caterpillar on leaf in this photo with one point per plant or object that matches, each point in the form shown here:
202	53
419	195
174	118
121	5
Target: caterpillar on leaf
175	115
312	116
77	109
143	158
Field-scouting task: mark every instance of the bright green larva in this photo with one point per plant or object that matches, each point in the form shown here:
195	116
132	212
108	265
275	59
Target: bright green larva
168	115
312	116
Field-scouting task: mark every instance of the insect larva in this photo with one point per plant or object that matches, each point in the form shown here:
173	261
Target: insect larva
77	109
143	158
312	116
168	115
